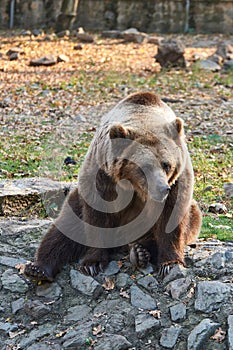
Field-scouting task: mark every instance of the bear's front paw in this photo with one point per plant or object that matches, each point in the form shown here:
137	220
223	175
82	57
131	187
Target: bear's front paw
37	272
92	269
165	268
138	255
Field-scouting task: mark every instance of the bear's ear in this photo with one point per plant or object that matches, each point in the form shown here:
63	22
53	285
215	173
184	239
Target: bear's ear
119	131
179	124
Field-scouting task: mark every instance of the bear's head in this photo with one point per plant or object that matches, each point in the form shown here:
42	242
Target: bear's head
151	160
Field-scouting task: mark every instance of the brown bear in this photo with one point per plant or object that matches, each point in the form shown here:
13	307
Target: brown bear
135	189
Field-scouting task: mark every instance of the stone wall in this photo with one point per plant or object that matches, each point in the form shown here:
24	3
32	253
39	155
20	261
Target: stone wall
162	16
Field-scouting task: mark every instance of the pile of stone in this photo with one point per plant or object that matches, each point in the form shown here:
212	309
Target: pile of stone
190	309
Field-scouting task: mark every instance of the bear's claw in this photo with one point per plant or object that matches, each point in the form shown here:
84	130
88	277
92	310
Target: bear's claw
91	270
165	268
139	256
37	272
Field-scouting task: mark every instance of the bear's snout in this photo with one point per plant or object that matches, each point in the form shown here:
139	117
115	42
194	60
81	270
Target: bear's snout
160	193
164	190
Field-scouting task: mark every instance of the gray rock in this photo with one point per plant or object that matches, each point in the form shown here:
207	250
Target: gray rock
217	208
148	282
113	306
48	60
178	287
36	334
145	323
44	346
123	280
77	313
85	284
171	53
62	58
228	186
63	33
85	38
18	196
228	65
229	256
113	34
210	295
11	262
112	341
141	300
177	271
169	336
216	58
36	308
112	269
225	50
25	32
146	270
13	282
154	40
15	50
209	65
8	327
37	32
116	322
178	312
217	260
14	56
230	332
77	338
49	291
201	333
133	35
17	305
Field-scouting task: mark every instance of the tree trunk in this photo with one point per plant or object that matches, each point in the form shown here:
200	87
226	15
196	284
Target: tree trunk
67	15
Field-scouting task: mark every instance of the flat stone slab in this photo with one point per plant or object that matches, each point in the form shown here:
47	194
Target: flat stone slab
24	196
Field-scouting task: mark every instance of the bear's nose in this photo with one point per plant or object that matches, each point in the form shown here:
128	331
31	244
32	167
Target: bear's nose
165	189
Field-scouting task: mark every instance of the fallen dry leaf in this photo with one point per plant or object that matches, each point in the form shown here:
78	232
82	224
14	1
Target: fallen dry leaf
155	313
219	335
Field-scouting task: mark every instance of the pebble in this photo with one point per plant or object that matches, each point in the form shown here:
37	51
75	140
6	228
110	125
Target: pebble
209	65
49	291
201	333
13	282
141	300
112	341
145	323
178	312
177	271
169	336
36	334
112	269
178	287
230	331
77	313
17	305
148	282
210	295
85	284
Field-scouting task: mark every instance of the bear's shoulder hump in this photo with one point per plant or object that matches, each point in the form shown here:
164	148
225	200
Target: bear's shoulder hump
144	99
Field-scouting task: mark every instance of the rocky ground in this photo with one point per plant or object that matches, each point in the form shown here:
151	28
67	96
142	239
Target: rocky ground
192	308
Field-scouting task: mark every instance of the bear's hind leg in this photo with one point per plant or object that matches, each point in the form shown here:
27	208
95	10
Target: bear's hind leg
54	251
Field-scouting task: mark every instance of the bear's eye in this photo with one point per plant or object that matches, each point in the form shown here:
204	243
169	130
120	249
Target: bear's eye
166	167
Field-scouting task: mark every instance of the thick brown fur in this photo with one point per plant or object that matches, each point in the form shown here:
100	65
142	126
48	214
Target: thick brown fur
144	118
